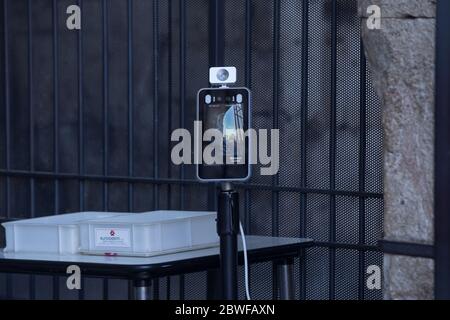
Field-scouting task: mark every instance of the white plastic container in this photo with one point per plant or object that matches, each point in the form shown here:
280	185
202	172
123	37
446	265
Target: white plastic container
53	234
149	233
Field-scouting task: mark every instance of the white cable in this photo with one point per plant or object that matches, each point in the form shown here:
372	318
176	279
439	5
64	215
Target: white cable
244	247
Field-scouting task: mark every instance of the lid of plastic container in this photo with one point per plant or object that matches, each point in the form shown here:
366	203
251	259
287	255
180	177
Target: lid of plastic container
68	218
154	217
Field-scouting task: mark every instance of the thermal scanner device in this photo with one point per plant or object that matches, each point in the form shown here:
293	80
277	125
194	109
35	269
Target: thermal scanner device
224	114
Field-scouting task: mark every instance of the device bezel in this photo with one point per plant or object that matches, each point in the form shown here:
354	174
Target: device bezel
249	151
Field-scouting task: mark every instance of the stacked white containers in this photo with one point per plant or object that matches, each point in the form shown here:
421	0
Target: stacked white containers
54	234
150	233
113	233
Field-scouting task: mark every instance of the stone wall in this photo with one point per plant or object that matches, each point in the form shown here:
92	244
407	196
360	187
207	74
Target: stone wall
401	57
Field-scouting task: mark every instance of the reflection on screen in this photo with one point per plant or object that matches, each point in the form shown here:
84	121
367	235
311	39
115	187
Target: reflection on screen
229	119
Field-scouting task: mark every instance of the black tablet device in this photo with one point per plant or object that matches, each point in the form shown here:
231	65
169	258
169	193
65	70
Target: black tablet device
227	110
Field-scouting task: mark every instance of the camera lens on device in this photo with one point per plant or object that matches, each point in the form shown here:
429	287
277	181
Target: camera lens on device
222	74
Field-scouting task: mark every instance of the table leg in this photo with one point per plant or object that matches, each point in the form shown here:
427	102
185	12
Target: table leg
286	279
141	289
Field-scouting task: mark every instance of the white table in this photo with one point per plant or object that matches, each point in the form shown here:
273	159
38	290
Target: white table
142	269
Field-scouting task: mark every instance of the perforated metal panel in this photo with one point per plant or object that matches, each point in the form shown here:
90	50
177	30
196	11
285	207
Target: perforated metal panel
86	119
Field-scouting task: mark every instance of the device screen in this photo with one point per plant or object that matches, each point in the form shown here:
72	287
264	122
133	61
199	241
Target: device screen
226	111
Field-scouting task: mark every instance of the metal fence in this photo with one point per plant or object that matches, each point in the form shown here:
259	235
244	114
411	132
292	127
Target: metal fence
86	118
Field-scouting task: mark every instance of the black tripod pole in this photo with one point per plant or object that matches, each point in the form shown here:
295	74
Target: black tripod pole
228	228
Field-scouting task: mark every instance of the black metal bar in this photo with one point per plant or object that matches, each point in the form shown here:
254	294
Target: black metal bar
105	289
7	130
105	46
130	103
155	284
182	182
276	106
216	33
168	288
169	113
31	106
81	164
304	141
407	249
275	125
182	79
7	104
182	287
131	294
362	170
155	104
169	97
105	100
56	101
32	282
345	246
213	285
56	294
442	154
332	235
248	43
248	84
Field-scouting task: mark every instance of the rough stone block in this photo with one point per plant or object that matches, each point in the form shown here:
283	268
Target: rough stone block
400	8
401	56
407	278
